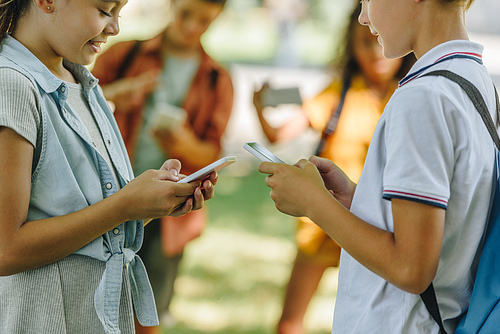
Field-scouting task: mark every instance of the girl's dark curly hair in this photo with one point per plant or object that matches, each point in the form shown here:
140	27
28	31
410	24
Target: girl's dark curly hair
10	12
345	62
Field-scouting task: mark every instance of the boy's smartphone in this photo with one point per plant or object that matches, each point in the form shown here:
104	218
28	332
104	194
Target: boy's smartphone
261	152
205	171
273	97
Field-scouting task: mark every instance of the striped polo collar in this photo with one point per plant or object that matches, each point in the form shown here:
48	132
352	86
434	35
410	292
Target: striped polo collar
444	52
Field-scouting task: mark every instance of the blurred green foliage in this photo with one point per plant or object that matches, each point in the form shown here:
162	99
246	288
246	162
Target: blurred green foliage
246	32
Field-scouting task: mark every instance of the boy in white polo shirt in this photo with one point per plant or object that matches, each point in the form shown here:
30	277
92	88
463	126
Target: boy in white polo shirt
418	212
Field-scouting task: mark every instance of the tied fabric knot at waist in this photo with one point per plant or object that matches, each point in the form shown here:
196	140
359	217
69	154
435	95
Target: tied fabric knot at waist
107	295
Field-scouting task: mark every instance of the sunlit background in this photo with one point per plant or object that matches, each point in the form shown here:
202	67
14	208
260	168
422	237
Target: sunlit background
232	278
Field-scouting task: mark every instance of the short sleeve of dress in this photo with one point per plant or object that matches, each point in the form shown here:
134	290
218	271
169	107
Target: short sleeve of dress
419	147
19	105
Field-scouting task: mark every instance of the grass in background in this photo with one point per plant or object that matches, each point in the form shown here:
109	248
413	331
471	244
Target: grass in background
232	278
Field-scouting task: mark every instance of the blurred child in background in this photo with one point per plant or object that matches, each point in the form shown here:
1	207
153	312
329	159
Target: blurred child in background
171	100
346	113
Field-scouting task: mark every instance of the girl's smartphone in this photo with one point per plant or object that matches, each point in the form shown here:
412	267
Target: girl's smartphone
261	152
205	171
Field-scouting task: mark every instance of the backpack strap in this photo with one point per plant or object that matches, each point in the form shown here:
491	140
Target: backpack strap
430	302
429	295
331	126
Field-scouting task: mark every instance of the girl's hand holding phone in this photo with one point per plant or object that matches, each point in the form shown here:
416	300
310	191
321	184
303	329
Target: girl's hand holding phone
205	190
156	193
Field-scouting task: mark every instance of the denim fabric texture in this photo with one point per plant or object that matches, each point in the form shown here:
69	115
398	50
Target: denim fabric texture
70	175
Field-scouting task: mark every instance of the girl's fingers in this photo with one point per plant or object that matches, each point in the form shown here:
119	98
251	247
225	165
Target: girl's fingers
207	189
183	209
173	166
199	201
213	178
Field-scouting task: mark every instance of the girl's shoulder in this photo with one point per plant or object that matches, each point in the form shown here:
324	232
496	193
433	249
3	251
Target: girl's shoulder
20	104
13	81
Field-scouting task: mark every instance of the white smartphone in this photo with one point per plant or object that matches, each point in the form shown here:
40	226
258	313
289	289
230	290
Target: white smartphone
261	152
205	171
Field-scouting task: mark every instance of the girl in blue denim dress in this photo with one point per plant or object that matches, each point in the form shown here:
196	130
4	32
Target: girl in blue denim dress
71	214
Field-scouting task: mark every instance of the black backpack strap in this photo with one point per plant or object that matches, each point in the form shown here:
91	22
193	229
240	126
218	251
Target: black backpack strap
430	302
127	61
429	295
498	107
334	118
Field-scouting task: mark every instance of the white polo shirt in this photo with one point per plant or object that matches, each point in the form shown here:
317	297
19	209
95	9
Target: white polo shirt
431	146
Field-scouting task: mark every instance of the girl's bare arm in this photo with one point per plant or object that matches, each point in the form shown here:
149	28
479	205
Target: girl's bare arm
26	245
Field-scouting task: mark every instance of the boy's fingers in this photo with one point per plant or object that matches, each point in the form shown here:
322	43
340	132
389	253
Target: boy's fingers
267	167
317	160
302	163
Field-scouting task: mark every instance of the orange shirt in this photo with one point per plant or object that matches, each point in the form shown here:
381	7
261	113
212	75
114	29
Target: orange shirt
348	145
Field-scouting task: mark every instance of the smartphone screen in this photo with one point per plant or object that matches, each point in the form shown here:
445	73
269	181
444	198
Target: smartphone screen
261	152
205	171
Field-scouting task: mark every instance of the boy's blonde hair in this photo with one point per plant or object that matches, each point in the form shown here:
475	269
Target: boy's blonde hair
462	3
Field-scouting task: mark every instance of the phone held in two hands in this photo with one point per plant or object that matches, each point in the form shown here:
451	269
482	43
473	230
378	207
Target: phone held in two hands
254	148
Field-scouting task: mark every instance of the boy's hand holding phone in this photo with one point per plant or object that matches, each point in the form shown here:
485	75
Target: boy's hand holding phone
261	152
294	188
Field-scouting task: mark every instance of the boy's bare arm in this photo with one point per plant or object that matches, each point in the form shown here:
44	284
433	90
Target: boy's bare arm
407	258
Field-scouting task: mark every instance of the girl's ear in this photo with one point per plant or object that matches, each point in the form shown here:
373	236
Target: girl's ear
47	6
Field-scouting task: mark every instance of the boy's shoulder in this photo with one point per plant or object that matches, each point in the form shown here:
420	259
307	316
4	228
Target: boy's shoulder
461	57
422	93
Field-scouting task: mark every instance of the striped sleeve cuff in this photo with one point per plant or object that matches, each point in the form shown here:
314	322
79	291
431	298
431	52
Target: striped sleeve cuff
390	194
